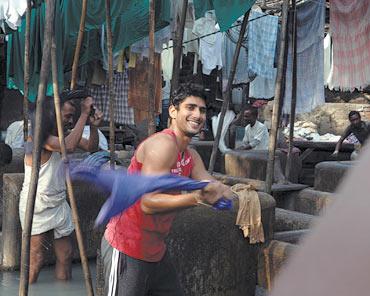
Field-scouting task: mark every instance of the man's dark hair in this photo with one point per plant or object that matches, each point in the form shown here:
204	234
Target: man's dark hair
354	113
253	110
187	90
6	154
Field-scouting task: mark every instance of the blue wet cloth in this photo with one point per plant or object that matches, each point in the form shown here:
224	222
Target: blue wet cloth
126	189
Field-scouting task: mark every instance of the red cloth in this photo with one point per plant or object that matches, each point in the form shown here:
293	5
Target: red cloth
139	235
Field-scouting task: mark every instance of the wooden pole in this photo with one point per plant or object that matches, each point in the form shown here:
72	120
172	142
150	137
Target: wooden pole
288	167
151	90
26	70
277	98
112	126
179	36
36	153
72	200
227	93
80	37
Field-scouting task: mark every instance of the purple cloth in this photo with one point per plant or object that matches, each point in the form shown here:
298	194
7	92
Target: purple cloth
126	189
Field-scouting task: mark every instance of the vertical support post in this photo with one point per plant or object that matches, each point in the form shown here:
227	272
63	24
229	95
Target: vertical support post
36	153
112	125
288	168
179	36
227	93
278	98
72	200
151	90
26	70
80	37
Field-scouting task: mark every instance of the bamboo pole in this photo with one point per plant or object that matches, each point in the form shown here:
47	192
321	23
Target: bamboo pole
227	94
26	70
112	125
278	98
151	90
36	153
288	167
179	36
80	37
72	200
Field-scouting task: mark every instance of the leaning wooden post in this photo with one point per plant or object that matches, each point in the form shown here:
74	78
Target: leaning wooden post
151	90
72	200
80	37
277	98
179	36
227	94
112	125
288	167
26	70
36	153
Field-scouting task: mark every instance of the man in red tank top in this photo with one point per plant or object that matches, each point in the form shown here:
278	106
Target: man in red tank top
133	249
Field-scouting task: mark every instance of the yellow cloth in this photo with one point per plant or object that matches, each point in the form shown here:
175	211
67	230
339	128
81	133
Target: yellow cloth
249	214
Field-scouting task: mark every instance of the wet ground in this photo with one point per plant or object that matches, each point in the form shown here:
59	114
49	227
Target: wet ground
47	284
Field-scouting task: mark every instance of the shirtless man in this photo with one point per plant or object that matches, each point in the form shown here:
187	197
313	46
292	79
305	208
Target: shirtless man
133	249
52	221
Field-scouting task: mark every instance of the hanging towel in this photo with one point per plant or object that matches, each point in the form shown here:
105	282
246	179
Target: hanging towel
328	60
126	189
249	214
167	61
310	59
123	114
262	88
350	31
262	36
229	117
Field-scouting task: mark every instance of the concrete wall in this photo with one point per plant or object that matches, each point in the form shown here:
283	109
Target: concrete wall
210	253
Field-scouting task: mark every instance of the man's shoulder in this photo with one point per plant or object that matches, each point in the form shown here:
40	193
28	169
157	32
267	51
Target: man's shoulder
160	141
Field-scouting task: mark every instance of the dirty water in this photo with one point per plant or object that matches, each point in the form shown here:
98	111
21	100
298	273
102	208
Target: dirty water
47	284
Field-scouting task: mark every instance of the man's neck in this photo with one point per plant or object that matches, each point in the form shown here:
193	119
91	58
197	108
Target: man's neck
182	140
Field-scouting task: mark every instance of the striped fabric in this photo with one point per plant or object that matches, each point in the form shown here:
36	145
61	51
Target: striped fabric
350	31
123	114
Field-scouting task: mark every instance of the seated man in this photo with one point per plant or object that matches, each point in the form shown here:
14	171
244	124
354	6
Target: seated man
359	128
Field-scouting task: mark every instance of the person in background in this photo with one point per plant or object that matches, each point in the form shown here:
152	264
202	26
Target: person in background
360	129
6	154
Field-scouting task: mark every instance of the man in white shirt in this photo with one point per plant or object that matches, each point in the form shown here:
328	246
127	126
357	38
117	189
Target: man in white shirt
256	135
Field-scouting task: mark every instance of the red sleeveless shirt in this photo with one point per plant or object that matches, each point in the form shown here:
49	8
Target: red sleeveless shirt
137	234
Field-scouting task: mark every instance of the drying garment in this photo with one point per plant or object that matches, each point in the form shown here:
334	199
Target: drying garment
262	88
350	32
262	37
310	58
14	135
138	87
227	11
210	47
161	37
229	117
167	61
11	13
229	41
249	214
123	114
328	60
126	189
52	211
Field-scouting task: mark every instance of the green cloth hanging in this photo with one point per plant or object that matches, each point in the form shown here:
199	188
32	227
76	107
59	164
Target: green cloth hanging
130	23
227	11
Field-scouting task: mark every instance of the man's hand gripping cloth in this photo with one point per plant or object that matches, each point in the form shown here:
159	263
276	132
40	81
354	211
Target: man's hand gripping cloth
249	214
126	189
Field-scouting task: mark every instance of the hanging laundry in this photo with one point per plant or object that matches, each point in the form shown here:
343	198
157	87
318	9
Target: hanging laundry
227	12
210	47
350	32
123	114
229	117
262	88
11	13
328	60
160	37
262	37
230	39
310	58
167	61
138	87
